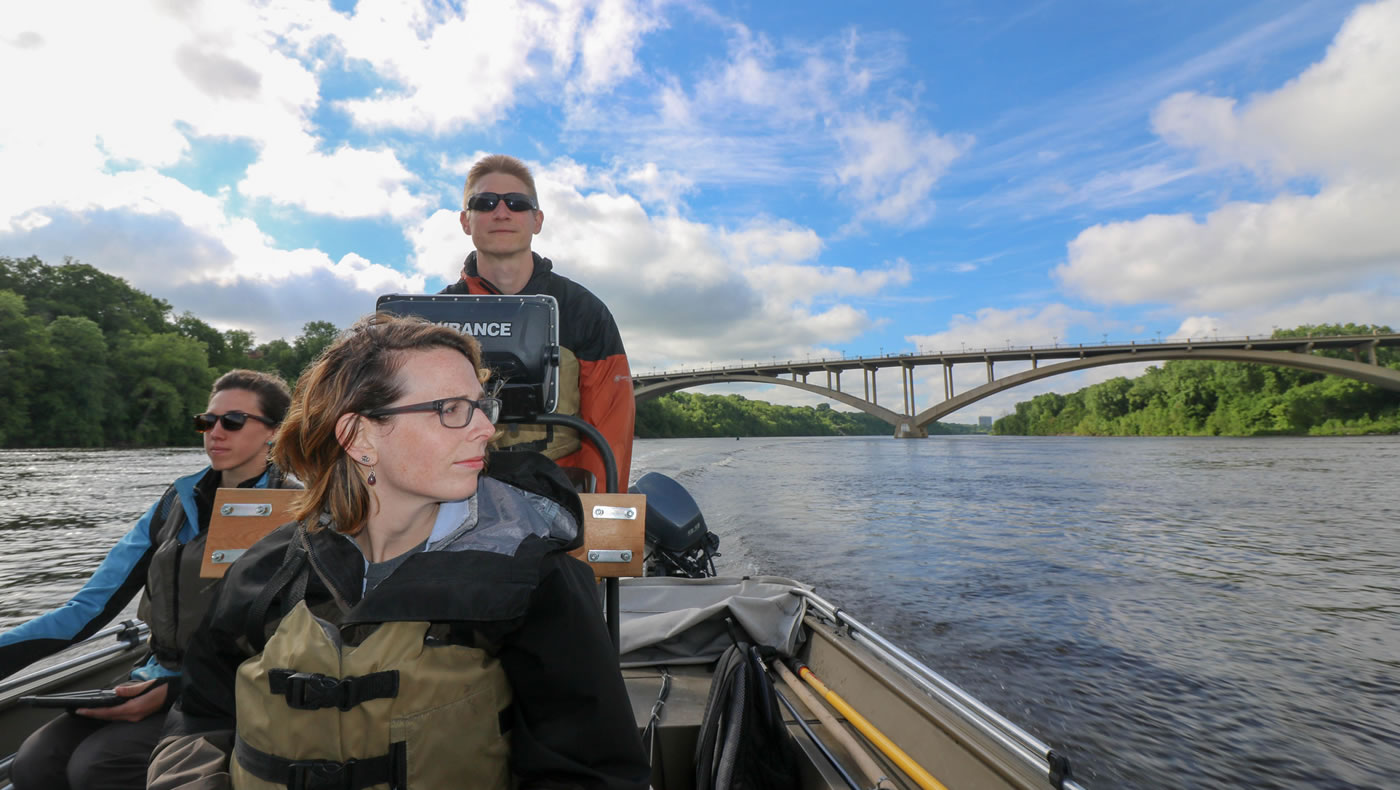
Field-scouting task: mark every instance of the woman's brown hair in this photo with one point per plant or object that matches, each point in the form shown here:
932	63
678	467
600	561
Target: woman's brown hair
356	373
272	392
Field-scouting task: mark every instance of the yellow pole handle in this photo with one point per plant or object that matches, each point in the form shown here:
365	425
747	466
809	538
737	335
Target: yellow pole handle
867	764
906	763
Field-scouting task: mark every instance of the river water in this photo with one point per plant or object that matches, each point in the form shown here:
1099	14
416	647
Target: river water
1199	612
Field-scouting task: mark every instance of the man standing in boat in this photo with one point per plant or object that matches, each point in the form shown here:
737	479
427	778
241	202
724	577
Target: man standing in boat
501	213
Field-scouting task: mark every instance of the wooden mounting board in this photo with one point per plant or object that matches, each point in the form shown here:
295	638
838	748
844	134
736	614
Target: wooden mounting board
241	517
608	527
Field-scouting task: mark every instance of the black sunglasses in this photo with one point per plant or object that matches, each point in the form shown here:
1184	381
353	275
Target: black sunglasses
233	421
451	412
515	201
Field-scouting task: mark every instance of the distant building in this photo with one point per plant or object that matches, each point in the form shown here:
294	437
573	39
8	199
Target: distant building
985	423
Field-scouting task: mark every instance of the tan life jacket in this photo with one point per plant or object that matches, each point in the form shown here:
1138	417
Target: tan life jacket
554	441
400	710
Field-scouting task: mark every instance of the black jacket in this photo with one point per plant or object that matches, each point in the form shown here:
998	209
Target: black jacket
536	610
588	332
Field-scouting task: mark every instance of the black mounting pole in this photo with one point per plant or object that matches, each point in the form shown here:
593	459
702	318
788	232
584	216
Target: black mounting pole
587	429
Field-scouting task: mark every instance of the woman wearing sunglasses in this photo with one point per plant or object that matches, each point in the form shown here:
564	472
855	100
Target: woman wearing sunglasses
421	624
160	558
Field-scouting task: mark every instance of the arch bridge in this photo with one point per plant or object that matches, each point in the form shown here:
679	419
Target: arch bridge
1046	361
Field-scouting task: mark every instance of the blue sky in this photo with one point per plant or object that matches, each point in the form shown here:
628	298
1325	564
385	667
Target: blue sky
736	180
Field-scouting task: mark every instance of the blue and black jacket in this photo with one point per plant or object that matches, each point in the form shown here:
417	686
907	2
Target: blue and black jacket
122	574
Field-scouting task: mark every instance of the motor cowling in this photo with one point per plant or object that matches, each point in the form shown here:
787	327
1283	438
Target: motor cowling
678	542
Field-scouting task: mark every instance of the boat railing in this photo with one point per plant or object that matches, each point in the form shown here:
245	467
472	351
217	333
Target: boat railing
128	634
1003	731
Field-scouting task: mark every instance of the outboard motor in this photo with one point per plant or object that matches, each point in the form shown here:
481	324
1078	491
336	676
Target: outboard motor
678	543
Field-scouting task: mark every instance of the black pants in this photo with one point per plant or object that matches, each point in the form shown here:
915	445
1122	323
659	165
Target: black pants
77	753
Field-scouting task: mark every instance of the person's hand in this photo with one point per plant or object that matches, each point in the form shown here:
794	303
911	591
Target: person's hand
144	701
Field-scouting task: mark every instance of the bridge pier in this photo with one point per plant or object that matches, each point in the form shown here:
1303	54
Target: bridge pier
906	375
908	430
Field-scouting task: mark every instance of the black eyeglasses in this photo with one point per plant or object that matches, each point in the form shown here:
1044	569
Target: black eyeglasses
515	201
232	421
452	412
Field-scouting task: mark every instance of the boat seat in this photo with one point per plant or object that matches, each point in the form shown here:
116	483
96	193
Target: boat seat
581	479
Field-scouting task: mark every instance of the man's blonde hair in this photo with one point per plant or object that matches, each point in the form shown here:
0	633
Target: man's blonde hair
498	163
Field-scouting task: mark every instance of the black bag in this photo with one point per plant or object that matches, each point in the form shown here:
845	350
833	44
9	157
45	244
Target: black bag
743	743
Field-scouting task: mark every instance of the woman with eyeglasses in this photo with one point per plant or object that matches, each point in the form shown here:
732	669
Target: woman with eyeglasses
160	558
421	624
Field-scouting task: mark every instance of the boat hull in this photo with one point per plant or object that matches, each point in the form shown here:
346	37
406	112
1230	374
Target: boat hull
942	730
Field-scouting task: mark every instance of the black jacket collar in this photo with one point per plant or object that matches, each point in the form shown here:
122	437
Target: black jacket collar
543	266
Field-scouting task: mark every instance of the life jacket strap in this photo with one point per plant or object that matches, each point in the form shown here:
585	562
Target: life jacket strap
390	769
312	691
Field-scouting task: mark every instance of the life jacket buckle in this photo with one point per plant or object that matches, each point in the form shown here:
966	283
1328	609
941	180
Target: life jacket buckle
320	775
313	691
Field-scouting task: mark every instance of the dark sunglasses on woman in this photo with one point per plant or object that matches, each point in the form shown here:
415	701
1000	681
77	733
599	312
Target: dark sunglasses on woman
232	421
515	201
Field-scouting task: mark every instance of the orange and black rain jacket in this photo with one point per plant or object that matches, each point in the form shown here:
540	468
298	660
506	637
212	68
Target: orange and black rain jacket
588	332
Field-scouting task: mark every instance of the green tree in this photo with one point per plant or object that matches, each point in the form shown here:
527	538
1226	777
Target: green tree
165	378
24	350
215	344
314	338
1221	398
238	345
1109	400
277	356
78	289
71	408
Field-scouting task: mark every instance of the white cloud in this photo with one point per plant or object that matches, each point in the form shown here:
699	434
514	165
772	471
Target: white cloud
1336	124
1200	327
832	113
348	183
653	185
770	242
994	328
140	82
686	292
452	69
609	42
1081	149
1338	119
439	245
177	244
1242	253
1126	186
891	166
1379	305
805	283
